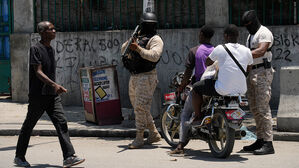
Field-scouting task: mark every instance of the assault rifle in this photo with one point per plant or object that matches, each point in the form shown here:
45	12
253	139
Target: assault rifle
134	35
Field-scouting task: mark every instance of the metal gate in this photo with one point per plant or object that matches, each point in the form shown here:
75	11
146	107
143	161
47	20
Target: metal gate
5	30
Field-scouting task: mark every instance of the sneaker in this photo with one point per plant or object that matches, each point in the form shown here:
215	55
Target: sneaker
21	162
72	161
176	151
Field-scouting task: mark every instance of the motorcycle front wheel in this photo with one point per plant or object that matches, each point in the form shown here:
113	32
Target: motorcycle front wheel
222	140
170	124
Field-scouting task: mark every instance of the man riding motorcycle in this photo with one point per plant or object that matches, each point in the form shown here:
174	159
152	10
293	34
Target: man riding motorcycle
230	80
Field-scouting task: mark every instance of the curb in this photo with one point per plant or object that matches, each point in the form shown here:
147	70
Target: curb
125	133
286	136
130	133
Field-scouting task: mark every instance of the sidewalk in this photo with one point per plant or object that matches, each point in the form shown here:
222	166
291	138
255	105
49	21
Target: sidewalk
13	115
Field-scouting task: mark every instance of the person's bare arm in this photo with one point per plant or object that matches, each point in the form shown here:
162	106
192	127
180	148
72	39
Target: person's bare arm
209	62
249	67
260	50
43	77
186	79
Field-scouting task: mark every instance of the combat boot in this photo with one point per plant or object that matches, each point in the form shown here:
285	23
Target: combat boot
267	148
256	145
153	135
138	141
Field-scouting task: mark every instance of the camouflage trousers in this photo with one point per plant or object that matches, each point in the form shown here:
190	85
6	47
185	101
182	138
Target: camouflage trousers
259	94
141	91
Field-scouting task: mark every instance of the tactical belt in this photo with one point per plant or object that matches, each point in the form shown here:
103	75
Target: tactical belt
268	50
258	66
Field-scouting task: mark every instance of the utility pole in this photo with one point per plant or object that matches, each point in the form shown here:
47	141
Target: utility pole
148	6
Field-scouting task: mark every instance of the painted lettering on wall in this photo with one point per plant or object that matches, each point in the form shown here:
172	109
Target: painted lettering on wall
80	44
282	46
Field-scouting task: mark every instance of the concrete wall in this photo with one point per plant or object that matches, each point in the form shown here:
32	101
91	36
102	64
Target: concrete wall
23	16
75	50
19	44
219	16
285	53
288	112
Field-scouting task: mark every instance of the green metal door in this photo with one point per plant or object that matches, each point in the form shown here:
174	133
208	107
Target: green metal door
5	30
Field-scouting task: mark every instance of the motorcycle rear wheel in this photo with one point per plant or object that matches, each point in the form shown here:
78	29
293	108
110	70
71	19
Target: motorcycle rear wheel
170	125
222	141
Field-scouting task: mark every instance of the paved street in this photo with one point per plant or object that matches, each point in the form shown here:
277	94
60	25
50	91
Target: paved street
44	152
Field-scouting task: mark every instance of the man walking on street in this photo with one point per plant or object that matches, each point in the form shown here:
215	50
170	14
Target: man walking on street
145	53
259	81
196	60
44	96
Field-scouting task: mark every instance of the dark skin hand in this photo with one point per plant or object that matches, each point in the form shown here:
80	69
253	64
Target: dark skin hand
133	45
43	77
187	75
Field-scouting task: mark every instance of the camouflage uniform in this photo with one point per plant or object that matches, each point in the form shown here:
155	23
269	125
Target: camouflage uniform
141	90
259	83
142	85
259	94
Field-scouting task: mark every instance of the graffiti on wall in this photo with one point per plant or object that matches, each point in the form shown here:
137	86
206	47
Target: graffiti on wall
74	52
282	46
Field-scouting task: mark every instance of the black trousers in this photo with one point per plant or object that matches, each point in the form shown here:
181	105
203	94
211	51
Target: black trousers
205	87
37	106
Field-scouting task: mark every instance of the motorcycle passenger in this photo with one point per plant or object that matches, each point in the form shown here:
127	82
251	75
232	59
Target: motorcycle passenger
145	53
231	79
195	60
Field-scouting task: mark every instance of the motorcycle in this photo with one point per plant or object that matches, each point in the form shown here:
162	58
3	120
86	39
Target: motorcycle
220	126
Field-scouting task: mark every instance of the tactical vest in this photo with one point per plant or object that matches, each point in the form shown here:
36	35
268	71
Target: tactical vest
137	64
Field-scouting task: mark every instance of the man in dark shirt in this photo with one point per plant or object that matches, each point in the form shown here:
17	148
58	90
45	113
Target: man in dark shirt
197	57
196	60
44	96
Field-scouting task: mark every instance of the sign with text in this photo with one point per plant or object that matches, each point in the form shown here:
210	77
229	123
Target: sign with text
104	84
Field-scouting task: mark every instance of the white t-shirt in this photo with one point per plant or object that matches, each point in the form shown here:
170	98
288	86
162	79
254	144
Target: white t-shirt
231	79
262	35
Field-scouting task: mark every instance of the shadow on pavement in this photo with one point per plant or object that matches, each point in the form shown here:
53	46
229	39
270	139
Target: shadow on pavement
29	146
43	166
206	155
125	147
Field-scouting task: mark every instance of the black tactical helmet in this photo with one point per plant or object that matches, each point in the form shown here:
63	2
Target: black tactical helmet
148	17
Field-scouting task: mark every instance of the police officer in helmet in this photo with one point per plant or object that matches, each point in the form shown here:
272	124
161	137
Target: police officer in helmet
145	53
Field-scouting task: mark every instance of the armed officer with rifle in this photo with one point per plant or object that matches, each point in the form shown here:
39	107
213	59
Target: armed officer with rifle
140	55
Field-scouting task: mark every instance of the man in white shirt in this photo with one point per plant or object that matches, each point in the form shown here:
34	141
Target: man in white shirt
260	40
231	79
